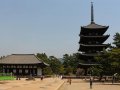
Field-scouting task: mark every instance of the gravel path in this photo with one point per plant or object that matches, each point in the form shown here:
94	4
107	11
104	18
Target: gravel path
82	85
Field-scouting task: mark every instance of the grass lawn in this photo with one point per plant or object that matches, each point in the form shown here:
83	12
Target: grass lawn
6	78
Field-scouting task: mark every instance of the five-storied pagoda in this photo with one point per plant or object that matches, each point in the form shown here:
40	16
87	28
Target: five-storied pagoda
91	42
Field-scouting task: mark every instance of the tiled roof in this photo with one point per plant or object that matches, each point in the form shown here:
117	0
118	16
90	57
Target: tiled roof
20	59
93	25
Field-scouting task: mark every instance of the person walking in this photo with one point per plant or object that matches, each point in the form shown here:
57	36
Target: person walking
91	82
69	80
41	77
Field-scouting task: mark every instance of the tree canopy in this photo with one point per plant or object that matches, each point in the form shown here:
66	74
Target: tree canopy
110	60
117	40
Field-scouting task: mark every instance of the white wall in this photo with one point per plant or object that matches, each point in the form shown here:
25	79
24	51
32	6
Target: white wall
39	71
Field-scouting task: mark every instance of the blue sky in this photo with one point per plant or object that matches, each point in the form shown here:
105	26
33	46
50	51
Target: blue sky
51	26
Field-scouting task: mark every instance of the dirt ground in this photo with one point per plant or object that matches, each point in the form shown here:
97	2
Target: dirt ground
56	84
23	84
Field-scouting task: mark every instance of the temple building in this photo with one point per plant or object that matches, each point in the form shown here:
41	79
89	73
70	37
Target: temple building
22	64
91	42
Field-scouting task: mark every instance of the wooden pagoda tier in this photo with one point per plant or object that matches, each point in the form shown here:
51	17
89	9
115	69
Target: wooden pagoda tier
93	48
93	29
93	39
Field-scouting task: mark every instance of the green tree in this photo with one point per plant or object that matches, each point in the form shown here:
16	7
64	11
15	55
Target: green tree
56	65
67	62
71	62
117	40
43	57
62	70
110	62
47	70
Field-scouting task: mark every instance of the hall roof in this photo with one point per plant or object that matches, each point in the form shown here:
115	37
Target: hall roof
21	59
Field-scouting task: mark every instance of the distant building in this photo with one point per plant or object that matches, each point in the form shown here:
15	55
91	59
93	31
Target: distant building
22	64
91	42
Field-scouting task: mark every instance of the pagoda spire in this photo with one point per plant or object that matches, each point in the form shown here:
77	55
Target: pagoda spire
92	13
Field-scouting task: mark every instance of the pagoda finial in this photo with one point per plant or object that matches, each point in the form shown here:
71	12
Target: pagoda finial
92	13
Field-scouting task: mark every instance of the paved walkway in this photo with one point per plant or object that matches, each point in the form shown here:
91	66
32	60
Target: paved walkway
82	85
46	84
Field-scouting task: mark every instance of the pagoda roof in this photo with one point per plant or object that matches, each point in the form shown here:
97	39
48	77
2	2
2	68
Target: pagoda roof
90	54
100	31
22	59
95	45
100	39
86	47
97	36
94	26
85	65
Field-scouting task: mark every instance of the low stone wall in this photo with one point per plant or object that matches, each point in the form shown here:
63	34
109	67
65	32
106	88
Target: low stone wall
95	78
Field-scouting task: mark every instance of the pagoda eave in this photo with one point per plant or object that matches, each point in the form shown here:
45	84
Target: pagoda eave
86	48
91	30
92	54
87	65
96	36
96	45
